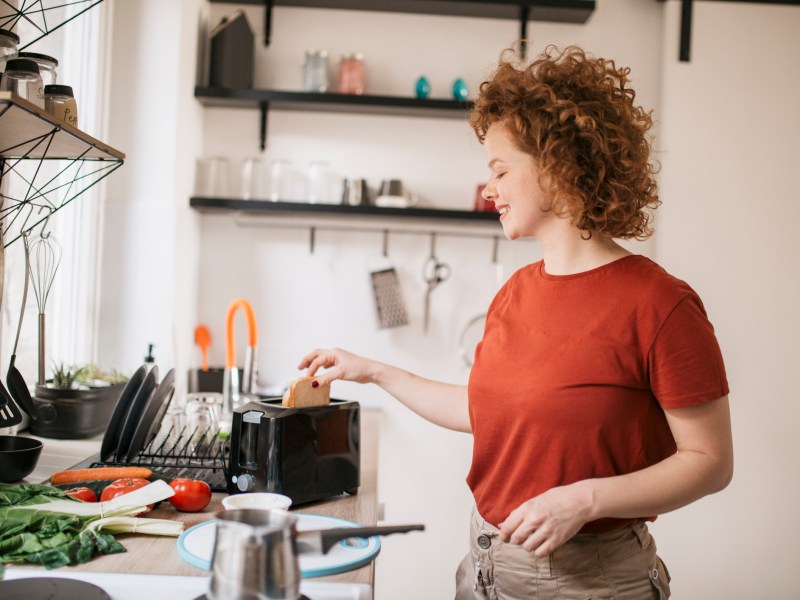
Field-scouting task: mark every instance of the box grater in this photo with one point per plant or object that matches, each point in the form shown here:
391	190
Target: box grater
389	303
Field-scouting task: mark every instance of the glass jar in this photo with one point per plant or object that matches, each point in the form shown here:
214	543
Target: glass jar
22	78
316	77
60	102
352	74
47	66
8	47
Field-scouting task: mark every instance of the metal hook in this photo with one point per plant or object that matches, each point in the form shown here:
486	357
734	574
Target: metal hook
385	243
495	247
44	235
433	246
312	235
25	222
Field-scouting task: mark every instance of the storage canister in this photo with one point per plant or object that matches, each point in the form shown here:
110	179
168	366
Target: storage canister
315	71
60	102
22	78
8	47
47	66
351	74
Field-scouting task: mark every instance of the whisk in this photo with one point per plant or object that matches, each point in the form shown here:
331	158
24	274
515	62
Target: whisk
45	252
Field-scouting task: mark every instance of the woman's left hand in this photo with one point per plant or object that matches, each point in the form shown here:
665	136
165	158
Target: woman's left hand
542	524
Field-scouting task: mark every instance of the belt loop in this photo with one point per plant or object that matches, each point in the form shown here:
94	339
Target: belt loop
641	533
551	567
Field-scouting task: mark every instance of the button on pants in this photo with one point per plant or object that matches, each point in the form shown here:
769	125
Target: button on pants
621	565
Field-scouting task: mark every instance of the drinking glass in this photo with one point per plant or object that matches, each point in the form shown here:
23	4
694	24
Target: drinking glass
280	180
202	417
215	177
252	179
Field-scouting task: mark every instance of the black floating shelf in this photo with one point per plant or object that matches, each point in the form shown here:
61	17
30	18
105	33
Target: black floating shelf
560	11
205	204
341	103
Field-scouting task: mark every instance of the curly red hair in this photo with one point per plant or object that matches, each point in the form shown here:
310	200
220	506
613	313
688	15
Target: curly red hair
576	115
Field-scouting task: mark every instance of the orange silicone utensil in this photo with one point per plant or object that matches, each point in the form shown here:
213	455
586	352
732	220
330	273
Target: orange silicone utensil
202	337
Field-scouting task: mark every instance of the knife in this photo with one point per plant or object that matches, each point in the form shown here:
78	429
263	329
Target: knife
322	540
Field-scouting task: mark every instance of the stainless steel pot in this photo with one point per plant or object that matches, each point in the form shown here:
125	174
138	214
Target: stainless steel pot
255	553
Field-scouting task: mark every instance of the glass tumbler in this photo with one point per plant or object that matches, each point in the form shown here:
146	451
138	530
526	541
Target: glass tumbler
316	77
281	180
215	177
202	418
252	179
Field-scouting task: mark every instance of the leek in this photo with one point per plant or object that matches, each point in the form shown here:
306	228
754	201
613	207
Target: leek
43	525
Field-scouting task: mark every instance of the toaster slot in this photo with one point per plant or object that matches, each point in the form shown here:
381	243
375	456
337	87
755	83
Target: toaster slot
248	444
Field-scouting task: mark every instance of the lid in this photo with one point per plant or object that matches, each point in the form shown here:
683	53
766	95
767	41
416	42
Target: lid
9	34
61	90
320	53
39	57
353	56
23	65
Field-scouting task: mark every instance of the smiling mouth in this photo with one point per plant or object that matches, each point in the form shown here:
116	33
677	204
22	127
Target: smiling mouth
502	210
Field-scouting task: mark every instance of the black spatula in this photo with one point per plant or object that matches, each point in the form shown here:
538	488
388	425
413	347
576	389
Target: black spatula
16	382
10	414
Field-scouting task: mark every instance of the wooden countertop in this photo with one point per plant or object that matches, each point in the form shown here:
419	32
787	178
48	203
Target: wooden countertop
159	555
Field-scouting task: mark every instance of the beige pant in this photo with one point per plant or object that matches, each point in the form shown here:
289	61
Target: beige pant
621	565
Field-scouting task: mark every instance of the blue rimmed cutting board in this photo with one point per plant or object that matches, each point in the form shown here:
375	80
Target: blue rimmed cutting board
196	546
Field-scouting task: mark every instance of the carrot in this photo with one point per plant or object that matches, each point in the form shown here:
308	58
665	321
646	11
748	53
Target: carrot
98	474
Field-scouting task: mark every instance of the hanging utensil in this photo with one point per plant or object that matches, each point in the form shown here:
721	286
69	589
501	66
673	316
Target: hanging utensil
10	414
14	379
389	302
45	253
435	273
202	337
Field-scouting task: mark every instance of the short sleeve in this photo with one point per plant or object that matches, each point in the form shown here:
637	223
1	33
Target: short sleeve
685	362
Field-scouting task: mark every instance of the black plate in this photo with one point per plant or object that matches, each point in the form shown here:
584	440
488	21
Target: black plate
135	413
55	588
114	429
152	414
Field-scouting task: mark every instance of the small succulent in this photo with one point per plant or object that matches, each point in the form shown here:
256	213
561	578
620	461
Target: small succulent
91	374
64	377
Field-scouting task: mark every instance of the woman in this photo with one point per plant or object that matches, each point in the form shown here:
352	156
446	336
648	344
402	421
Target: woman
598	396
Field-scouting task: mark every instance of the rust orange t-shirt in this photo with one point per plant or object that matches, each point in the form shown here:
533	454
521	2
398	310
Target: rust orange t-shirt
572	376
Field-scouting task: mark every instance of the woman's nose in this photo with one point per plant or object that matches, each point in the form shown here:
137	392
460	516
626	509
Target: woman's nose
489	192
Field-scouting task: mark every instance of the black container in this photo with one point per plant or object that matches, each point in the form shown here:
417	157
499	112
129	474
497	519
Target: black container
305	453
231	64
18	457
73	414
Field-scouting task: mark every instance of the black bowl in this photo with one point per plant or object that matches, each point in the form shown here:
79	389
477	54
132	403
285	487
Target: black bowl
18	457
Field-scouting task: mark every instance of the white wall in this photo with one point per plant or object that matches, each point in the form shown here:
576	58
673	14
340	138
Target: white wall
727	128
730	130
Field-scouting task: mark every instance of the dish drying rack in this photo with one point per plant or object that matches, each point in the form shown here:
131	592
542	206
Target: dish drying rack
196	454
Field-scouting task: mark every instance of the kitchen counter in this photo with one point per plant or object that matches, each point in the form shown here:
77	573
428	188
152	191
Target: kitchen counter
159	556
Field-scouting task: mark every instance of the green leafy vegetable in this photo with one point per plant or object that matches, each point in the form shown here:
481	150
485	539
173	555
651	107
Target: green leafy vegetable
43	525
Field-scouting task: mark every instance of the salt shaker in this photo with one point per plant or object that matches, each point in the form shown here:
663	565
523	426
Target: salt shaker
60	102
315	71
352	74
22	78
47	66
8	47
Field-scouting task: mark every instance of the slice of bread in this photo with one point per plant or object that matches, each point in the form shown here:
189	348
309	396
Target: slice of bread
301	395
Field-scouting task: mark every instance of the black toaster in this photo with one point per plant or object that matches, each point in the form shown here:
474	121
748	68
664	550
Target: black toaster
305	453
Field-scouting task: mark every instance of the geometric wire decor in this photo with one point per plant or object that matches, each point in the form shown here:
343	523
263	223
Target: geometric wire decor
44	165
44	16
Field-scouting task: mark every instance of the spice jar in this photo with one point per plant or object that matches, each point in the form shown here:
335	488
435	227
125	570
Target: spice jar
8	47
60	102
315	71
47	66
22	78
351	74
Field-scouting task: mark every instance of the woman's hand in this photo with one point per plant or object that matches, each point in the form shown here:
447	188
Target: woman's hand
542	524
340	364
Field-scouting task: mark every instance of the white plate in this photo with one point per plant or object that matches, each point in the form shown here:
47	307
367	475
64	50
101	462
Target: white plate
196	546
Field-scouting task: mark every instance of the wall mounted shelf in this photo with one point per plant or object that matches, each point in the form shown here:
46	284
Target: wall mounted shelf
211	205
45	164
332	102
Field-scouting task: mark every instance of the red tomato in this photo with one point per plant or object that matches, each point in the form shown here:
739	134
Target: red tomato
124	486
83	493
191	495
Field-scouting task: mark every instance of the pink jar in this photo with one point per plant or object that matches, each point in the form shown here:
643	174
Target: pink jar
351	74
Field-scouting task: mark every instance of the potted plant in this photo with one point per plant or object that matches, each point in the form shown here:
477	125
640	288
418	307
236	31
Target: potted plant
77	402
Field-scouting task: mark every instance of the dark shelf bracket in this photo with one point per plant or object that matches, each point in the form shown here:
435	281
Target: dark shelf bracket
686	31
524	14
267	21
262	129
